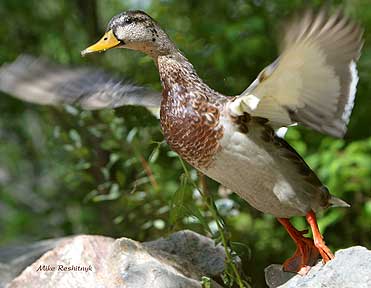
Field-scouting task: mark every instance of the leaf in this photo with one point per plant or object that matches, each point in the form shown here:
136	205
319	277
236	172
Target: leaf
114	193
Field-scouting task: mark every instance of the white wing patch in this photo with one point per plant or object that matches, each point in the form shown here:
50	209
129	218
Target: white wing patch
281	132
352	92
247	103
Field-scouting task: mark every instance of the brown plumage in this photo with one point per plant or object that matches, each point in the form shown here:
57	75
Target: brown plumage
190	112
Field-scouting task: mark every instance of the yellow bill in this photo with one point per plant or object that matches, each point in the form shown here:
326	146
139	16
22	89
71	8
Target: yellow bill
108	41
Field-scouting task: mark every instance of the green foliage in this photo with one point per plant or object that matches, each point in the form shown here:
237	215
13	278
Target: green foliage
231	275
65	171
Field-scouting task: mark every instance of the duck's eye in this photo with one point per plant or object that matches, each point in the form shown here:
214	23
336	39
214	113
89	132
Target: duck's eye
128	20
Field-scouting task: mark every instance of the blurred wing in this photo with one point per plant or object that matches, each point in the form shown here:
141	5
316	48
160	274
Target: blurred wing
313	82
38	81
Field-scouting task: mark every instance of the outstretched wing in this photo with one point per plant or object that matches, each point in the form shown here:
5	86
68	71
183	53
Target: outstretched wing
313	82
39	81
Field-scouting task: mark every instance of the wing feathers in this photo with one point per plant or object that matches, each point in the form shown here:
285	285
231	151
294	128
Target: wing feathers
38	81
314	80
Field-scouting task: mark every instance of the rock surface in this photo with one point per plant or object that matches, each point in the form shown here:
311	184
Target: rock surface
96	261
351	268
13	260
177	261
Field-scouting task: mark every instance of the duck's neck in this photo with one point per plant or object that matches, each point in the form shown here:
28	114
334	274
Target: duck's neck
177	73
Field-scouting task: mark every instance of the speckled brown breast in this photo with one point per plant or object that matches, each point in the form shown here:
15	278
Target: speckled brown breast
190	113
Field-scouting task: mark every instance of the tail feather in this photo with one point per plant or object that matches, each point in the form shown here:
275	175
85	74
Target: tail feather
337	202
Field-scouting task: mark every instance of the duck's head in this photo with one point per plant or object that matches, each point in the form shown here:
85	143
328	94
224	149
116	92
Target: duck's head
134	30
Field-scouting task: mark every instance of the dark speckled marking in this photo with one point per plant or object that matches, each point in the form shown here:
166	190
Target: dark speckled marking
242	122
260	120
129	17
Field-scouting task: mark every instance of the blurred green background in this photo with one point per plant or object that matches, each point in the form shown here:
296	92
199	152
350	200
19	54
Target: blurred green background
65	171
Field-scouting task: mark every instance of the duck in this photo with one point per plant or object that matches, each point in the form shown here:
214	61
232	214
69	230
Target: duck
238	141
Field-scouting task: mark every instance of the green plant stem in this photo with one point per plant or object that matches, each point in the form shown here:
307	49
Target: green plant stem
208	199
227	252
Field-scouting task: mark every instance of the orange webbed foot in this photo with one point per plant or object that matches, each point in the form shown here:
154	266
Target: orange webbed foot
306	254
325	252
308	250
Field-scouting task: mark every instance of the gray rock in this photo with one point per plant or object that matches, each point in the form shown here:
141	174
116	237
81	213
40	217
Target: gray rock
80	253
13	260
95	261
201	252
351	268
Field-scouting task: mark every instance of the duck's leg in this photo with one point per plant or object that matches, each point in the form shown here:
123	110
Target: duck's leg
318	238
306	254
